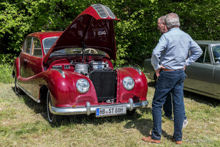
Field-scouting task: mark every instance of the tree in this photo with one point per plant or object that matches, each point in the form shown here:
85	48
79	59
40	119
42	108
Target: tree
136	33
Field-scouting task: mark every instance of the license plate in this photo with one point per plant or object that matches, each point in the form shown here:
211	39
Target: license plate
100	112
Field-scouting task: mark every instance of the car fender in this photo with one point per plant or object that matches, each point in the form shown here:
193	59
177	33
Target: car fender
62	86
141	86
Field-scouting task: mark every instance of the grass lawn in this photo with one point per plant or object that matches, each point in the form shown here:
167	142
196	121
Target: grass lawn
23	122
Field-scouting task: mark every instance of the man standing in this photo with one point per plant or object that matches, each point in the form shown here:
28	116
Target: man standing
167	107
169	59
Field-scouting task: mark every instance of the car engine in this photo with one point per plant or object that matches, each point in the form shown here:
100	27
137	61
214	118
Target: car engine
85	69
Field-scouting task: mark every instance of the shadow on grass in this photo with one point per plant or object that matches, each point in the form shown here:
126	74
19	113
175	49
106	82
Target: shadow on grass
40	108
151	83
92	119
202	99
144	126
136	121
34	106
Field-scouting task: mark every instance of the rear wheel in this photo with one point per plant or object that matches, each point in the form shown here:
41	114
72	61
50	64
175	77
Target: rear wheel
17	89
52	118
131	113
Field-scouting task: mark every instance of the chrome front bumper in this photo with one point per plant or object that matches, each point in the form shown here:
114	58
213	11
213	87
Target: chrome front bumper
88	109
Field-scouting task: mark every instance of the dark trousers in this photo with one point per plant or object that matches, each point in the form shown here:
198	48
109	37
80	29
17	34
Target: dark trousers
168	82
168	107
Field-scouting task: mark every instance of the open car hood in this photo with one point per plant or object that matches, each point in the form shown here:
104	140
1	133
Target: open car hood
93	28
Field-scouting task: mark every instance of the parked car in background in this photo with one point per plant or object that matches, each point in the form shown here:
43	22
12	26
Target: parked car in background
203	76
72	72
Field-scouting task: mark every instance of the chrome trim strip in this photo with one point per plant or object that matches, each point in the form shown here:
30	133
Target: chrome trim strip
109	11
100	10
138	70
61	72
92	109
36	100
201	92
103	11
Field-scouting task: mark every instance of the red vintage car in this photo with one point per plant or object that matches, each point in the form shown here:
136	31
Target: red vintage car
72	72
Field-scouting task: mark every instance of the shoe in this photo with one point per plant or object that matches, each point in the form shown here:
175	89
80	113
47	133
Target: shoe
169	117
185	122
177	142
150	140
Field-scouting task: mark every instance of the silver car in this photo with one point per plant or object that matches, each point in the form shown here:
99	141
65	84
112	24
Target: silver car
203	76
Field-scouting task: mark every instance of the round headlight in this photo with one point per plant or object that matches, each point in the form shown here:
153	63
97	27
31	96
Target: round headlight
128	83
82	85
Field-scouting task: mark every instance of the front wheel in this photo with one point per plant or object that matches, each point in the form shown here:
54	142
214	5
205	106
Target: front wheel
52	118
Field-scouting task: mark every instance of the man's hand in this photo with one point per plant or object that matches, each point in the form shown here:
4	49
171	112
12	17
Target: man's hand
184	67
158	70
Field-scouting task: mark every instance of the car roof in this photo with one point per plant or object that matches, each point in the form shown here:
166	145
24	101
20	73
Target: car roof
206	42
42	35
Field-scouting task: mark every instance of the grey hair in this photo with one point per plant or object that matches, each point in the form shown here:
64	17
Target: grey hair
162	20
172	20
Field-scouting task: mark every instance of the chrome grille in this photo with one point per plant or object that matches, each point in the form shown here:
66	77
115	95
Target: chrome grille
105	84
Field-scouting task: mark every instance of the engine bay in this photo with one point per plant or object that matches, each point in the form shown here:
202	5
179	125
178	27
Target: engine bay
66	64
85	69
101	73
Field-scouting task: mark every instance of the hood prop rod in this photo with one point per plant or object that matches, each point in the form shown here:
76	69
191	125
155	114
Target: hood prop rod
84	46
83	43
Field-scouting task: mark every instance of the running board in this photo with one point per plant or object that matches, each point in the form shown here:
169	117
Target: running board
36	100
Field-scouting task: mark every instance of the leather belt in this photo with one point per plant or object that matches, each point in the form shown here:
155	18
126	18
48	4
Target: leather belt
172	69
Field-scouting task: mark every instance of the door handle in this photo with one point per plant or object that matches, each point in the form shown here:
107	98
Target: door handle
26	60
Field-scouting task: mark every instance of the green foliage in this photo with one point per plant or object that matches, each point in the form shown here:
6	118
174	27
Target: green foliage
136	33
5	73
7	58
200	19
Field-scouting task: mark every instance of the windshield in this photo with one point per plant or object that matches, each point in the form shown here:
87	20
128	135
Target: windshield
47	43
216	53
70	51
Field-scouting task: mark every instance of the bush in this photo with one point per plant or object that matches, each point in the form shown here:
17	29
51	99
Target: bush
7	58
136	33
5	73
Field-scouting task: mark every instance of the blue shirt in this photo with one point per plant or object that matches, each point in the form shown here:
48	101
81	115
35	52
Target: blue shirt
173	49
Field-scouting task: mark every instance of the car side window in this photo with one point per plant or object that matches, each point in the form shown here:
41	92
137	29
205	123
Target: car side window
28	45
36	48
201	58
204	58
207	57
24	46
216	53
